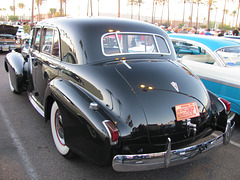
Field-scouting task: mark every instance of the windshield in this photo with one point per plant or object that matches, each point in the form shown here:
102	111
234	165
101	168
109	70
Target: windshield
230	55
132	43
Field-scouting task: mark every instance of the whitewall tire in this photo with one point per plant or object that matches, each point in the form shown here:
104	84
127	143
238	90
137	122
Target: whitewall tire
57	130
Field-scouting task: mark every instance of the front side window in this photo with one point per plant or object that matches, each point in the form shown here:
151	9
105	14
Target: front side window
47	41
132	43
36	42
230	55
50	43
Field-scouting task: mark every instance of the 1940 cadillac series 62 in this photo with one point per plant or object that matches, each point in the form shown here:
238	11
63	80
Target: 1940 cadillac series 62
115	94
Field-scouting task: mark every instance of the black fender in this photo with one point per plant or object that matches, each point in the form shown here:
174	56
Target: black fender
84	131
16	66
220	114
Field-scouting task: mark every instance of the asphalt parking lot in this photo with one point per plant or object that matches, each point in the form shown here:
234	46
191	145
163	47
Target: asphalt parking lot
27	150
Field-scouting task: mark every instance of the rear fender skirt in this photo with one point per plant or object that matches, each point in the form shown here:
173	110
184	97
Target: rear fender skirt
16	66
84	131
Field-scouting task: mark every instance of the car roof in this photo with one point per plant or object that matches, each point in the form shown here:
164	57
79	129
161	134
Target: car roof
86	35
211	42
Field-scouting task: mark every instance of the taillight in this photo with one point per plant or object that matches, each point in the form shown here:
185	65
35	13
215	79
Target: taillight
227	104
112	131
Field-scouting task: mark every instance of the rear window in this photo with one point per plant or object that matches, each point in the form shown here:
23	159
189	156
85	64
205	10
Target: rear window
133	43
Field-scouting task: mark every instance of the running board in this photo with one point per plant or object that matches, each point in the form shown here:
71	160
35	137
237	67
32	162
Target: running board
36	104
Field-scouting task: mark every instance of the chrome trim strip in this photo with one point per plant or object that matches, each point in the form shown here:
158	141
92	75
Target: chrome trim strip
126	64
219	81
142	162
36	105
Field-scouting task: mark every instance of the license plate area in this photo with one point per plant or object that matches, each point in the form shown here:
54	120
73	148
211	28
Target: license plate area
5	48
186	111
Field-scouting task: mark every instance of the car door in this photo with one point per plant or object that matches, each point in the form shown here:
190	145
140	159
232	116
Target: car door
44	59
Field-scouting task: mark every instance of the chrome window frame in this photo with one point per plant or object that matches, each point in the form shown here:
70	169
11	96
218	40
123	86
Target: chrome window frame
135	33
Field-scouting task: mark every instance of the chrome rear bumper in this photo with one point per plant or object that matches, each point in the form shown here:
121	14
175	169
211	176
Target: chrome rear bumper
142	162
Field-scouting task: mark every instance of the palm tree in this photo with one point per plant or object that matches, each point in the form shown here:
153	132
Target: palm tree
190	19
21	5
89	4
168	13
163	4
52	11
118	8
61	9
98	7
153	11
155	2
132	2
65	3
224	11
184	3
198	2
14	7
139	7
215	16
2	9
233	15
237	14
210	3
135	2
39	3
32	17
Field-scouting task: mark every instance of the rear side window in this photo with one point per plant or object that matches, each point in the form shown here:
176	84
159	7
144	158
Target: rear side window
162	45
68	49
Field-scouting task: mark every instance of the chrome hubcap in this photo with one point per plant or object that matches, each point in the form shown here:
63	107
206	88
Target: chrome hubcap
59	127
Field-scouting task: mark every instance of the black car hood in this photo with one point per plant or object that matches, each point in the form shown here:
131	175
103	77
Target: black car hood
8	29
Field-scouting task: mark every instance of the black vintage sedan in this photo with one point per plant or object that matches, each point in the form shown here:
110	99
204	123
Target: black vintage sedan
115	94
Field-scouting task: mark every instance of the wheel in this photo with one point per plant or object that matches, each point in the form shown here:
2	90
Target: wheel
58	133
11	84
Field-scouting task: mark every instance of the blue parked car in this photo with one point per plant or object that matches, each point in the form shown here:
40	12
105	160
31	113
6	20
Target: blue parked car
216	60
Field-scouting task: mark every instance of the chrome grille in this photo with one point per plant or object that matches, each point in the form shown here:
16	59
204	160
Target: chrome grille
7	42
